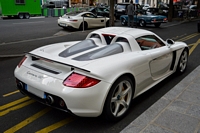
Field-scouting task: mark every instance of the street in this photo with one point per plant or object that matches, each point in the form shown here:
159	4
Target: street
20	113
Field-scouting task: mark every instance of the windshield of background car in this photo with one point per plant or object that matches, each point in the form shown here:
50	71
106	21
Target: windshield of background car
121	7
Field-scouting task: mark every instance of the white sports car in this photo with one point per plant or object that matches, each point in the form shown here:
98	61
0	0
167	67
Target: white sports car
101	74
76	19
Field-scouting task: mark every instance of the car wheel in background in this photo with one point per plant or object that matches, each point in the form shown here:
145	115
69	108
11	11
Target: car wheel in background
157	25
123	22
119	99
27	15
85	26
142	23
182	64
21	15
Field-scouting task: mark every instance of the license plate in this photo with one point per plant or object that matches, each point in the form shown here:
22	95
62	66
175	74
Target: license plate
35	91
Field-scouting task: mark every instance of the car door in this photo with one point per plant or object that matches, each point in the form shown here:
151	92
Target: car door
161	55
94	21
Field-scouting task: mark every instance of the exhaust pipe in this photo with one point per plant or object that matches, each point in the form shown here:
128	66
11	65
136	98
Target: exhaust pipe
20	85
49	99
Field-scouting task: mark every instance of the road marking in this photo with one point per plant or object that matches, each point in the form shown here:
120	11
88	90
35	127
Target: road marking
11	93
16	107
56	125
14	103
194	46
27	121
30	22
188	37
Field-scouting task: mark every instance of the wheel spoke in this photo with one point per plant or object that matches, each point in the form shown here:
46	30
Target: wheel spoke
123	103
116	109
125	92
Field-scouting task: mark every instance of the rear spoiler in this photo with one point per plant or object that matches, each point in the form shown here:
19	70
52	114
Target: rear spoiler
36	57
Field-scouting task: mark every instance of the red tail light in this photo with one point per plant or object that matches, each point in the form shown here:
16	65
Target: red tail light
76	80
21	62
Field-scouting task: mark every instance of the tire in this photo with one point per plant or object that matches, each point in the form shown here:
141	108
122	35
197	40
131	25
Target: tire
85	26
157	25
21	15
182	64
123	22
26	15
119	99
142	23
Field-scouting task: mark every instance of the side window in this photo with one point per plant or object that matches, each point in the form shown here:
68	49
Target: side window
19	1
149	42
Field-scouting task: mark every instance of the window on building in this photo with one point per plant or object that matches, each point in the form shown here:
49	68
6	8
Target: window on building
20	1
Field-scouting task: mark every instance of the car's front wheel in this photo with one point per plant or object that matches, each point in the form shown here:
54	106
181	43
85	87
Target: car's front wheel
182	64
123	22
119	99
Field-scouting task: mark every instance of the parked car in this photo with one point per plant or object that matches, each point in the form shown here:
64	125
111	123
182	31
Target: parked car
145	6
120	9
101	74
75	20
144	19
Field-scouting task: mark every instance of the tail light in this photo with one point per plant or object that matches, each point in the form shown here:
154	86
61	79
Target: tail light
21	62
76	80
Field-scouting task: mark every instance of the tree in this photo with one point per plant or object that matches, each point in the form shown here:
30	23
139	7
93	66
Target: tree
170	13
111	15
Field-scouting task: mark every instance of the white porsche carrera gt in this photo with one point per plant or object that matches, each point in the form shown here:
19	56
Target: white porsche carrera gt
101	74
75	20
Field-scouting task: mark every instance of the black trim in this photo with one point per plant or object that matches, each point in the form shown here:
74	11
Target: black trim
173	60
45	69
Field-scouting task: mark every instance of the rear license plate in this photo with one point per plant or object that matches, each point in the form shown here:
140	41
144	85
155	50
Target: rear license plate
35	91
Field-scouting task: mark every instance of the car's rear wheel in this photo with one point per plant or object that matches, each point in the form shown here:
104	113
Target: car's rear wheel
142	23
85	26
21	15
182	64
119	99
123	22
27	15
157	25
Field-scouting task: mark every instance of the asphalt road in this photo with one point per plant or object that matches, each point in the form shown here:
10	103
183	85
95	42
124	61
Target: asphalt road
21	114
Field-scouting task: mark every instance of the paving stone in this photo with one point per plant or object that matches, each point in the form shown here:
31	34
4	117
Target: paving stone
178	122
179	106
190	96
151	113
195	87
194	111
156	129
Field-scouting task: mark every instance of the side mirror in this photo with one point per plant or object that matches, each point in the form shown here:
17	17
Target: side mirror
170	42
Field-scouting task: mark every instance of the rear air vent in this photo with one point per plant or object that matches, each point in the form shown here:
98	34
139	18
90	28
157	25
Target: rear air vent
44	68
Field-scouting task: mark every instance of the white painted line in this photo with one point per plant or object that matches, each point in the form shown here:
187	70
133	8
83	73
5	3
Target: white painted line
30	22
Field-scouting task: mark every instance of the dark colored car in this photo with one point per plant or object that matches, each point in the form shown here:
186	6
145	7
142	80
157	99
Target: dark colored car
120	9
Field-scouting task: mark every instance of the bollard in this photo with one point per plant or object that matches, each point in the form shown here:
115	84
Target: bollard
83	24
105	21
198	26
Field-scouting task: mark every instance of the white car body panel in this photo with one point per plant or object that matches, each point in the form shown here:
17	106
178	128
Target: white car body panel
148	67
94	22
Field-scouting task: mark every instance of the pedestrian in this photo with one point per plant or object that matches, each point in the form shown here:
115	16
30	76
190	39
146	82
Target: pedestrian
130	13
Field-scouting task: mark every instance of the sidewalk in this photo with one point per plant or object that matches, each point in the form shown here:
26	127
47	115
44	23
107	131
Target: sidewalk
178	111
